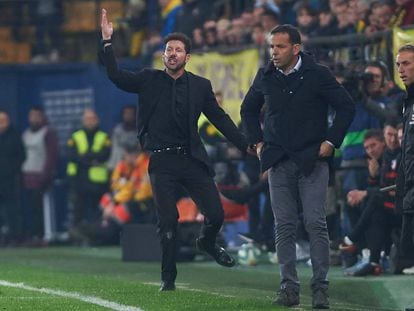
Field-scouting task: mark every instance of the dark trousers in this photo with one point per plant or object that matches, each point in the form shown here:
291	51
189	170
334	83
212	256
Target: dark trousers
375	224
33	212
167	173
261	222
86	207
10	211
407	234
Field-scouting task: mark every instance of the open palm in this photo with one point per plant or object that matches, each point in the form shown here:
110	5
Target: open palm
106	27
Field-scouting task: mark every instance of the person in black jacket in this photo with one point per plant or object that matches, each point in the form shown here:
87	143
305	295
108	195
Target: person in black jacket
295	147
378	217
405	180
12	156
170	103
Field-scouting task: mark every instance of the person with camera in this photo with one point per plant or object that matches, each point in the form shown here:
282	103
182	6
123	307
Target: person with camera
376	93
368	88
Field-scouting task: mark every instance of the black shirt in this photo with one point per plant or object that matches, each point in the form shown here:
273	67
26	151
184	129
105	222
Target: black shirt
169	124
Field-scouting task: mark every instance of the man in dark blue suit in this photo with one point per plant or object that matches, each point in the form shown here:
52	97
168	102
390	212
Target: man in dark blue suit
295	146
170	103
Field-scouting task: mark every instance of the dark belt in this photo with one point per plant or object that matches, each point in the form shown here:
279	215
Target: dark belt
172	150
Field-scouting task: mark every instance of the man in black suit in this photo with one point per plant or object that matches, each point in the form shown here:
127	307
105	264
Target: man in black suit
295	145
170	103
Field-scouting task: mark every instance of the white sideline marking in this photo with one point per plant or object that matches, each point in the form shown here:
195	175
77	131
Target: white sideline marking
89	299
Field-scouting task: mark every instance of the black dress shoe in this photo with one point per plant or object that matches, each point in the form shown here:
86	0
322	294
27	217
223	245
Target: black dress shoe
218	253
167	286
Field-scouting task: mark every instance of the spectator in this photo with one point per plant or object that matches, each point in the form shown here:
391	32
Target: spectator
306	22
136	16
48	17
367	92
169	13
128	201
269	20
124	135
41	145
379	17
360	9
235	35
198	38
375	79
210	34
345	20
192	15
222	27
12	155
268	4
88	149
378	217
327	24
404	13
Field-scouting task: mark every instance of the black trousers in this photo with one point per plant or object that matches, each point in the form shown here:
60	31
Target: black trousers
167	173
407	235
33	212
376	224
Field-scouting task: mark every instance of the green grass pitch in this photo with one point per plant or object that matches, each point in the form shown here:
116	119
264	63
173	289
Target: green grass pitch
59	278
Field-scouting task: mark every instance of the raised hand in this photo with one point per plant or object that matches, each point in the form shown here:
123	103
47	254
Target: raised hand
106	27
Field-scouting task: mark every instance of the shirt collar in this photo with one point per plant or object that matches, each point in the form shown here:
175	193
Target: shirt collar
294	69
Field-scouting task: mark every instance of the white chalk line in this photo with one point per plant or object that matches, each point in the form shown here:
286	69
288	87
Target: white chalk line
89	299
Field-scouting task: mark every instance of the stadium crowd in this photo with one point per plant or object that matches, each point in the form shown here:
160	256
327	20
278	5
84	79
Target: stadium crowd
107	172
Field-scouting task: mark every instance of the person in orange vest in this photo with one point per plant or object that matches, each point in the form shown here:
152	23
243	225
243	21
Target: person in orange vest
131	194
129	200
88	150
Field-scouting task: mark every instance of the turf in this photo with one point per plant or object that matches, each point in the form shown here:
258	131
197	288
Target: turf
99	272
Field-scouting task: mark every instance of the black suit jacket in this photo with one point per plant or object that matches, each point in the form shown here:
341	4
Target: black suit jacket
201	99
296	115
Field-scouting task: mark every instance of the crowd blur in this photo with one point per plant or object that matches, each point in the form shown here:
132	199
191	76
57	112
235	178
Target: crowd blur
51	28
107	173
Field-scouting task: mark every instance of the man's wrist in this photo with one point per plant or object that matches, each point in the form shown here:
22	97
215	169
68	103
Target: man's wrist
330	143
105	42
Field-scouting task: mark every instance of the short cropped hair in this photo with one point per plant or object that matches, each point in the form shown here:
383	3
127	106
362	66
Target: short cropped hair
374	133
293	32
409	47
179	36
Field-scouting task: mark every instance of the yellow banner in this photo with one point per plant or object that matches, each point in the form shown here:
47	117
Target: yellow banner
399	38
232	74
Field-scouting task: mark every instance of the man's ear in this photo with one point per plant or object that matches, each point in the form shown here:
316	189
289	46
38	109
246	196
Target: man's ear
296	49
187	57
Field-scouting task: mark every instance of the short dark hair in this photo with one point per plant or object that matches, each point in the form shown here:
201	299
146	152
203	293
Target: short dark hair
37	108
381	66
292	31
392	121
179	36
374	133
269	12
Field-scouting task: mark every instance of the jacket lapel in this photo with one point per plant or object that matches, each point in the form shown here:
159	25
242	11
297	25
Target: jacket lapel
192	100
